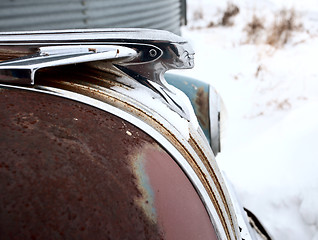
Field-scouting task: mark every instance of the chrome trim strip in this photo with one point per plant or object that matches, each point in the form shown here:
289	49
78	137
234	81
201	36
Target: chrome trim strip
86	34
215	115
22	70
156	52
247	232
216	181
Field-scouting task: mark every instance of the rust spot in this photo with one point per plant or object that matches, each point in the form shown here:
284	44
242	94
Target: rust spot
25	120
76	76
202	102
212	174
11	52
92	50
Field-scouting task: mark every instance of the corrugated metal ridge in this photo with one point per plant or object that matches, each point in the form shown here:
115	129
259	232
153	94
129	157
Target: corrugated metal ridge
134	10
173	22
151	21
25	10
109	3
45	2
56	14
51	7
147	16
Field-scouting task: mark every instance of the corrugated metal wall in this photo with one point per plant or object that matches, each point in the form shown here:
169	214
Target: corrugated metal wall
16	15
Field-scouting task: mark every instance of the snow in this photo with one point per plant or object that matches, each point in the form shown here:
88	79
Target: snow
270	138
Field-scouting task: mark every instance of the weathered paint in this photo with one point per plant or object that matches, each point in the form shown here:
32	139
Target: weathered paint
70	171
146	200
179	210
65	172
198	93
206	104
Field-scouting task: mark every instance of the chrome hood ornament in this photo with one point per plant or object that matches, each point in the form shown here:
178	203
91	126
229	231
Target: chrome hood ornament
142	54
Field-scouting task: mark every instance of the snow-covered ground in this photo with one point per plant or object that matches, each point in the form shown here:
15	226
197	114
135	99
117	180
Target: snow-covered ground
270	138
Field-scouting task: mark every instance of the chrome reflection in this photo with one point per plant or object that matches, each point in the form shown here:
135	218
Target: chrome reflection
142	54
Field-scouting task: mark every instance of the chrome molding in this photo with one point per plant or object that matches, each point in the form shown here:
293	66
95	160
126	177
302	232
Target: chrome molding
215	119
22	70
144	55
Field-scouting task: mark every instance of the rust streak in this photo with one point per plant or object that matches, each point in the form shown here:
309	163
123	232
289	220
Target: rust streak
215	180
202	102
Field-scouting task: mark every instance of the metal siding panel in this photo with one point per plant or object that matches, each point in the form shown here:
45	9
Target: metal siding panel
138	18
21	11
56	14
132	9
172	25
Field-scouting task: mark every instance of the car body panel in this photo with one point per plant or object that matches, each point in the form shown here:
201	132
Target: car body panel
73	171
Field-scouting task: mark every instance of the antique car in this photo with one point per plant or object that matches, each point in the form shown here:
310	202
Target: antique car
96	144
97	141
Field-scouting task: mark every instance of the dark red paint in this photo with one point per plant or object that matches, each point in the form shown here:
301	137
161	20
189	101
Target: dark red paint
67	172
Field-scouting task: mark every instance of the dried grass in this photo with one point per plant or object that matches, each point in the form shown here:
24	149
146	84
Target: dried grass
281	30
278	33
231	11
254	29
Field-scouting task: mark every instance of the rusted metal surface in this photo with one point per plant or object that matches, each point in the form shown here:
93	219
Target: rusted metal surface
11	52
70	171
59	80
202	103
212	174
81	79
177	206
206	105
198	93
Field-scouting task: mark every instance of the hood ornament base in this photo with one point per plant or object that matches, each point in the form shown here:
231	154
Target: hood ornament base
142	54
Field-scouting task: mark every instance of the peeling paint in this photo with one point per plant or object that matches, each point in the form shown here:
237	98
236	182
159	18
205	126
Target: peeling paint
146	200
66	178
